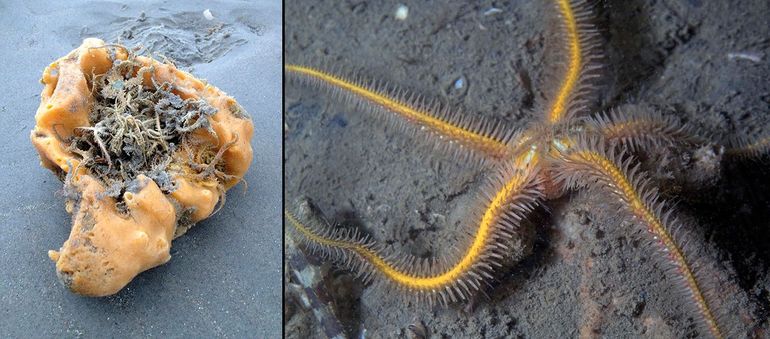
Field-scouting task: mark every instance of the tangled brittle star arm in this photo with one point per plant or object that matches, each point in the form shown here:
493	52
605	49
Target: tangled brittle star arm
444	128
578	40
513	193
99	142
587	163
205	171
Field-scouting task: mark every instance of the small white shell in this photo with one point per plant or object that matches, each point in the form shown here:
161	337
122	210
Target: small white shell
459	83
207	14
402	12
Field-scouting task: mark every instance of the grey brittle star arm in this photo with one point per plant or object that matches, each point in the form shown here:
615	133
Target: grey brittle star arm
747	148
640	127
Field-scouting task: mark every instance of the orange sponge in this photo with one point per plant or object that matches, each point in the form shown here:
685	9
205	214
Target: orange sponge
145	151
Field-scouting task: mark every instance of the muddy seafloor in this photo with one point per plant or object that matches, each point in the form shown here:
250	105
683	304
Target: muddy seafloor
589	272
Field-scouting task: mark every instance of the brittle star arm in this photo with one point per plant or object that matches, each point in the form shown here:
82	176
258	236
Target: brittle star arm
514	192
744	148
587	164
487	137
640	128
579	42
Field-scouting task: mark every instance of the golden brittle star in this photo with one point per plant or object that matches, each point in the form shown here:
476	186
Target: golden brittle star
566	150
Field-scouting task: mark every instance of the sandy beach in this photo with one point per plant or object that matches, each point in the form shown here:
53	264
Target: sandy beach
586	271
223	279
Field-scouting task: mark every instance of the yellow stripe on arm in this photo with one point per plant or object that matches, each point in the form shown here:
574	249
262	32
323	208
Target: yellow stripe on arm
465	136
514	196
559	106
614	177
480	242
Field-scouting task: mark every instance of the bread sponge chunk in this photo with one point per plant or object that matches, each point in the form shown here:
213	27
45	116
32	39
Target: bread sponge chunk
145	151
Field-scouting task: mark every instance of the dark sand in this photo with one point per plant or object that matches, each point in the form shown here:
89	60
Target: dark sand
224	275
670	54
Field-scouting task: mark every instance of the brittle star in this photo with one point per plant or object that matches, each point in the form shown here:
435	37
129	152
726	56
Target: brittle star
564	151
